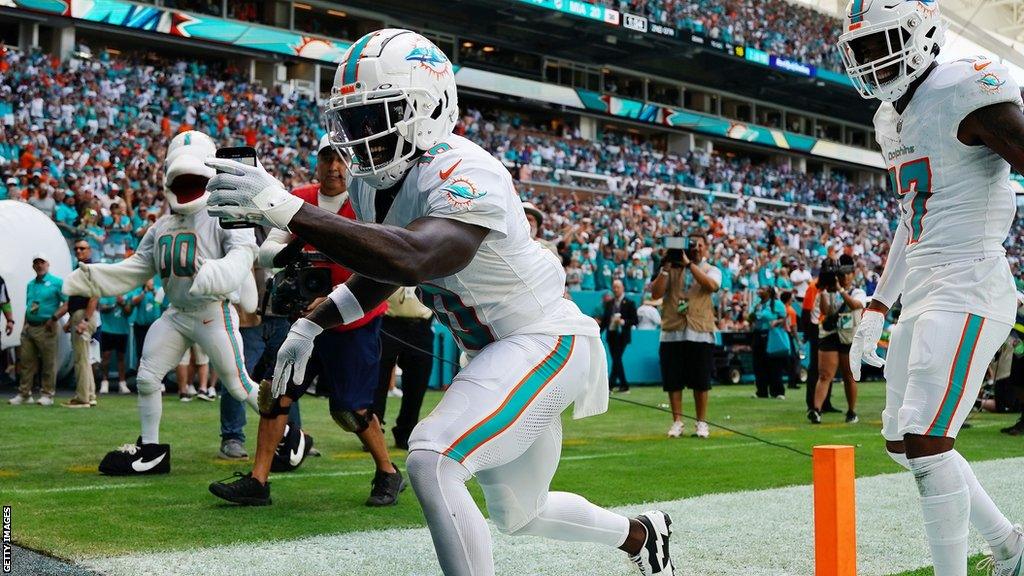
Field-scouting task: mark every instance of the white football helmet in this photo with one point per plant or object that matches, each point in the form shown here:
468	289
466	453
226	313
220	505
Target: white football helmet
185	171
394	95
887	44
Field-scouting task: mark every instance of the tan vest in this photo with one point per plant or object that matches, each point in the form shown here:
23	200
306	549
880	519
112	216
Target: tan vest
700	311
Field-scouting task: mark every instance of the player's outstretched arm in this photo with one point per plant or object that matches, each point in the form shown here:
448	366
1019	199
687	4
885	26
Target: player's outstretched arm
1000	127
429	247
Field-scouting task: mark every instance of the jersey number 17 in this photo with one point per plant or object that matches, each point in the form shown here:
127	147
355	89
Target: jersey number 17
914	177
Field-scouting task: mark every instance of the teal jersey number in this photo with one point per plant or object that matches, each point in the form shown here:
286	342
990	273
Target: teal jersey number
177	255
914	177
461	319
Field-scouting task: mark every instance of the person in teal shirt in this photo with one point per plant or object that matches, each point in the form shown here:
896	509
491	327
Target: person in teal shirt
146	308
114	313
45	303
768	312
66	215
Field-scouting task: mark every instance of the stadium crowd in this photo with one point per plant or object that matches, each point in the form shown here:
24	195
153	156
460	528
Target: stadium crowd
776	26
82	141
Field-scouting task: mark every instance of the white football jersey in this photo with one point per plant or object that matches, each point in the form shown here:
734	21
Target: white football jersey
955	200
513	284
177	245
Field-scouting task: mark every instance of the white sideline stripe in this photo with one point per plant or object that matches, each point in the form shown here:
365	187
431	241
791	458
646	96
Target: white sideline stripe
75	488
756	533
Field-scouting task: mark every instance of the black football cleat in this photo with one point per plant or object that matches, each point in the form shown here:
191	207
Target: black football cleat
291	450
654	558
244	490
137	459
386	488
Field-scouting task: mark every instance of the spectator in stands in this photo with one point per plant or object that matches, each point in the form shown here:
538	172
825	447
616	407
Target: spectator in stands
114	313
81	326
768	312
686	284
648	316
800	278
45	304
118	228
617	323
840	305
406	338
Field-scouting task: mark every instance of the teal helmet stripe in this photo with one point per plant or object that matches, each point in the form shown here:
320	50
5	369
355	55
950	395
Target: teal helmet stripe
349	75
856	14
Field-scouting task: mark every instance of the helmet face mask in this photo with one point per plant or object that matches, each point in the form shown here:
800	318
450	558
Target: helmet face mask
886	48
393	97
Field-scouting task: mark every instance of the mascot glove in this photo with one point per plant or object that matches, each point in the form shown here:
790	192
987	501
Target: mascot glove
294	355
81	283
864	347
249	193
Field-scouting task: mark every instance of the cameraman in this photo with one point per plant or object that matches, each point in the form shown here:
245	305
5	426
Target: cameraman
687	351
346	358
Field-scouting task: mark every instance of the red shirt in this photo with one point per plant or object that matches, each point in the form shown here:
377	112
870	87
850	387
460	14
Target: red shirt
339	274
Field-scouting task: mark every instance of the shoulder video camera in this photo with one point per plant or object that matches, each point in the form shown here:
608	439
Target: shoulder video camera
295	287
677	246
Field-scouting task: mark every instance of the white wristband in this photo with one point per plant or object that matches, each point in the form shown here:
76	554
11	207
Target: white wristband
348	306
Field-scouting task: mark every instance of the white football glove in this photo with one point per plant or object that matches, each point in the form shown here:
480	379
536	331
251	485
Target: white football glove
294	355
249	193
864	347
81	283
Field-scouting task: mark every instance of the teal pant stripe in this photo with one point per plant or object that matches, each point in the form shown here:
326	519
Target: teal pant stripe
243	374
516	403
958	377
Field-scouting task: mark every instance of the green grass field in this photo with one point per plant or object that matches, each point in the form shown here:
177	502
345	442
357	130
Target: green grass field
63	507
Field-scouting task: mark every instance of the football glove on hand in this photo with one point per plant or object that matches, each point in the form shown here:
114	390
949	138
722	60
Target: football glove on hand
294	355
249	193
81	283
864	347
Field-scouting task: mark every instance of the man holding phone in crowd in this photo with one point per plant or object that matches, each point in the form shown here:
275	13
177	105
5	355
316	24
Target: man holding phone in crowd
687	351
346	358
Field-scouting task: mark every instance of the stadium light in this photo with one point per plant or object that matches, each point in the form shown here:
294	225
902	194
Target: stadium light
302	6
488	48
467	44
337	13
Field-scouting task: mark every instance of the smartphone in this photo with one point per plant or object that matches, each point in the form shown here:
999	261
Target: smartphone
246	155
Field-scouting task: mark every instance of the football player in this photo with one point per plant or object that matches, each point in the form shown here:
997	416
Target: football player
949	134
202	267
438	212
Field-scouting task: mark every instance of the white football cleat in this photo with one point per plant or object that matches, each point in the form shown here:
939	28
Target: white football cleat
19	399
676	430
653	558
104	386
702	430
1012	566
45	400
122	387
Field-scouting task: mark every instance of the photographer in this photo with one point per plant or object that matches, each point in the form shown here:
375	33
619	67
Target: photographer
840	305
686	282
345	358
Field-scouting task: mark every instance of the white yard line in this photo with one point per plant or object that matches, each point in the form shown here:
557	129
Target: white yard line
758	533
86	488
